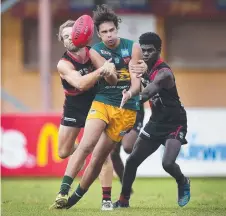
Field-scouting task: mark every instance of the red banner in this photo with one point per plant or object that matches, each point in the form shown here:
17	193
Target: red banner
30	146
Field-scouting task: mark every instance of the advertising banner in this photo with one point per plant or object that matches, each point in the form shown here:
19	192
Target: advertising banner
29	146
205	153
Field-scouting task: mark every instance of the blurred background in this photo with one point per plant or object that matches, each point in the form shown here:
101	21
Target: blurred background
194	45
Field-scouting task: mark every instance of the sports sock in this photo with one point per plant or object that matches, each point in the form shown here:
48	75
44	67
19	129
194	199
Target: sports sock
76	196
66	185
106	191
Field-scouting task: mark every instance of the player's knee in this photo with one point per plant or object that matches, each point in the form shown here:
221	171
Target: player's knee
64	153
128	149
166	165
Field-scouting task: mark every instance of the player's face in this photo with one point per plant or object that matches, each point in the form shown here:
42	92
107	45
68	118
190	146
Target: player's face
150	54
66	35
108	33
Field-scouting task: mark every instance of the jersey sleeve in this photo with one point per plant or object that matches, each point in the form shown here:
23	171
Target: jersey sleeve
96	47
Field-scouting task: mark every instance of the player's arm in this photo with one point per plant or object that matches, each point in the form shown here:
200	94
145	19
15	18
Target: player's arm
163	79
73	77
98	61
135	81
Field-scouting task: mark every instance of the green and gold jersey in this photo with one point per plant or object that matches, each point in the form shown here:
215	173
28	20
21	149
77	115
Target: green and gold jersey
121	56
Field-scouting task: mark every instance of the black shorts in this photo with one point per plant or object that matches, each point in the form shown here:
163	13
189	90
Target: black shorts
163	131
73	117
139	121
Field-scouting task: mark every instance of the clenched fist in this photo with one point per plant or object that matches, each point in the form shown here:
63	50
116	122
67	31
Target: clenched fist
108	68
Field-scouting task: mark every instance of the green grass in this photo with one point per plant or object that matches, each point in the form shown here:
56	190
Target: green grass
32	197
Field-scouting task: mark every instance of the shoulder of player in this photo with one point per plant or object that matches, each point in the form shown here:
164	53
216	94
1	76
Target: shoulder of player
128	43
64	65
65	57
94	53
125	40
164	73
97	46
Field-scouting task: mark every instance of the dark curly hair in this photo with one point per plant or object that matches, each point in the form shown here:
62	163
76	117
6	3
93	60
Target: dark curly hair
102	14
151	38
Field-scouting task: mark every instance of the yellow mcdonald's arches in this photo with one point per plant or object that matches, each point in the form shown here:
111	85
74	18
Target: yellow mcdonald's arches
49	132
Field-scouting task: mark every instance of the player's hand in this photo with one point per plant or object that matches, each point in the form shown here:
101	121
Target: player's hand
139	68
126	95
108	68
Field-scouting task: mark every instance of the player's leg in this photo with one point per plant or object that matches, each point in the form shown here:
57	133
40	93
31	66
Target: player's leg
71	123
127	142
95	124
130	138
77	159
66	146
117	161
106	176
172	149
99	155
121	120
142	149
67	136
66	140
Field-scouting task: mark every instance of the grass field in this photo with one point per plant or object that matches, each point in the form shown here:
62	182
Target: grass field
32	197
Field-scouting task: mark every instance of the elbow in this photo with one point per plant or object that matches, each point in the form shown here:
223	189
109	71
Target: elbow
81	87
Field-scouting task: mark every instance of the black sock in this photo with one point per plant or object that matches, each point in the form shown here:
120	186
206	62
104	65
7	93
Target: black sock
66	184
106	193
76	196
